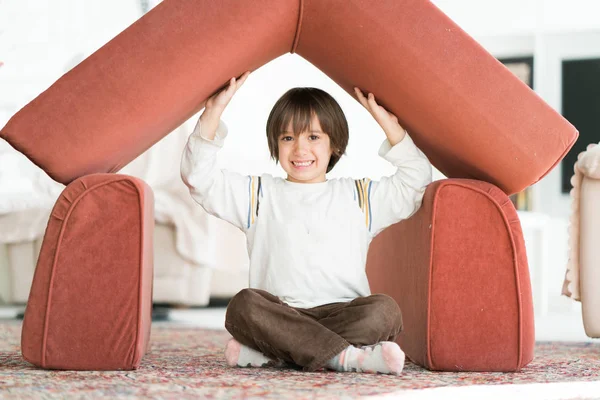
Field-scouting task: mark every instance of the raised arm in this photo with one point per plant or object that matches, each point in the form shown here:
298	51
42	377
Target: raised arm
222	193
396	197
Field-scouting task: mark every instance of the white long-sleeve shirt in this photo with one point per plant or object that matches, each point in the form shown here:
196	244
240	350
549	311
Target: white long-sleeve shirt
307	243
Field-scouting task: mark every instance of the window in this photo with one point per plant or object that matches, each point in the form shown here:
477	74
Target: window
581	107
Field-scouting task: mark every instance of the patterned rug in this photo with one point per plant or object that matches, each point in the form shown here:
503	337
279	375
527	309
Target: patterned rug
188	362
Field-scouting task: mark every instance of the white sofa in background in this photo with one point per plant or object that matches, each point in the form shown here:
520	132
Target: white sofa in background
582	278
176	281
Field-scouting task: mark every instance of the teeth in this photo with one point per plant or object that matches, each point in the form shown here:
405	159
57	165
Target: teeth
305	164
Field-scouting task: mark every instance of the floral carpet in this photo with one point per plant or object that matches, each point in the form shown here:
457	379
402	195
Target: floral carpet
188	362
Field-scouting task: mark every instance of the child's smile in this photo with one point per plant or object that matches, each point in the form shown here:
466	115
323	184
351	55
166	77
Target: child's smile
305	156
302	164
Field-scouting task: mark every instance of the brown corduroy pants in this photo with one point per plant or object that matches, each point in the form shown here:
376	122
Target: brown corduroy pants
308	337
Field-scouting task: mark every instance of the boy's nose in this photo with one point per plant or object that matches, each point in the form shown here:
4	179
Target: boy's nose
300	146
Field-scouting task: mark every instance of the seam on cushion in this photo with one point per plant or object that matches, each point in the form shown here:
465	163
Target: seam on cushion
428	333
53	268
116	168
55	217
298	27
515	264
140	273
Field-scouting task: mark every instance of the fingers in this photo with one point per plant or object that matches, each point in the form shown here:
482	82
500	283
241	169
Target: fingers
378	112
233	85
236	84
371	97
225	94
374	106
361	98
244	76
369	102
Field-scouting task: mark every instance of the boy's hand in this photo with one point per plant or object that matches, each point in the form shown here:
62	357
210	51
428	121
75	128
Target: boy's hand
219	100
215	105
388	121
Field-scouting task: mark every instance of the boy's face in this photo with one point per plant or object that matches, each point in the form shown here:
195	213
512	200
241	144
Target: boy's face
312	146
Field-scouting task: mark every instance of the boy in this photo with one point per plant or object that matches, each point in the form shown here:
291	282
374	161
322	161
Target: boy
309	302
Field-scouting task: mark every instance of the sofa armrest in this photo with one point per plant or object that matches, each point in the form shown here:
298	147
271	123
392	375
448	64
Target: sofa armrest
589	273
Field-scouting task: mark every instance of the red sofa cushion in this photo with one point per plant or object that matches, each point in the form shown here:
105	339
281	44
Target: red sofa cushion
464	109
90	303
458	270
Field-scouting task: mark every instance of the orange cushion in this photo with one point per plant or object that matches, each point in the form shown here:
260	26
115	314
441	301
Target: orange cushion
458	270
464	109
90	303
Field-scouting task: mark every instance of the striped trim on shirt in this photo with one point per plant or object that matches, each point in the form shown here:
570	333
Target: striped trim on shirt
254	194
363	191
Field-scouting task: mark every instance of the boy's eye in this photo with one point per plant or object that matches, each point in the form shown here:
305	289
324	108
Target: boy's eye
313	137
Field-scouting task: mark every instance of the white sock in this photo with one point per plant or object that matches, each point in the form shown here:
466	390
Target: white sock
243	356
382	357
